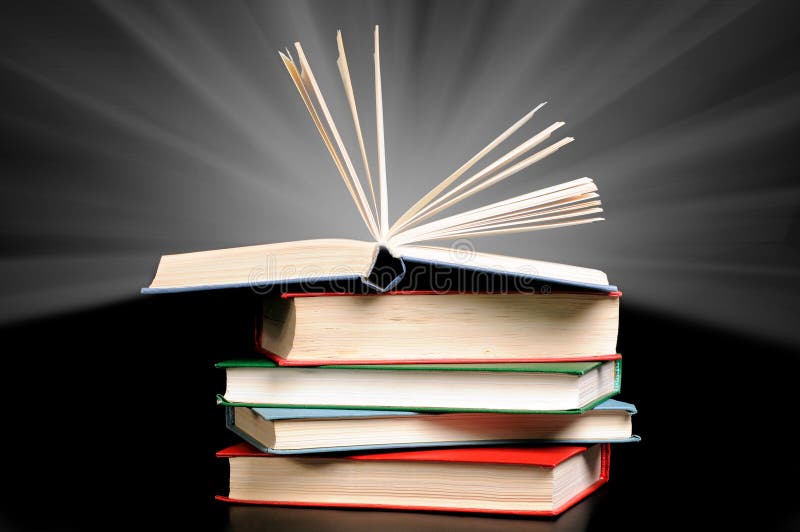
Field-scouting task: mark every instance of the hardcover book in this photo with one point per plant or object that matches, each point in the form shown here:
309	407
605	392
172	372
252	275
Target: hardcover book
513	480
409	327
319	430
512	387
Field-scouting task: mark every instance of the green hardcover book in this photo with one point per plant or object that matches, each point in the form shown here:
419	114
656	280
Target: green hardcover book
571	387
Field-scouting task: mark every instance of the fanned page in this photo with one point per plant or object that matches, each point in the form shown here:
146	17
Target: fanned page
430	219
382	185
306	84
344	72
572	203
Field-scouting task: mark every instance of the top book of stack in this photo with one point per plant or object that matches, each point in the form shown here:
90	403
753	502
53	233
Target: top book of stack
384	263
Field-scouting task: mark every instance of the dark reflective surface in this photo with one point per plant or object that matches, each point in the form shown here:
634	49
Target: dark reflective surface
254	518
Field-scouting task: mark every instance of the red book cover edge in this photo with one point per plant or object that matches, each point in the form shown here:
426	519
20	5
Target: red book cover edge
289	363
290	295
549	456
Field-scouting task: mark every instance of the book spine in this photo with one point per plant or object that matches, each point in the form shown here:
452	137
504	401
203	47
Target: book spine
230	423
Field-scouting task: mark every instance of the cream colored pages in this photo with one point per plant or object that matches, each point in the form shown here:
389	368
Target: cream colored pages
307	76
294	73
344	72
438	189
266	264
382	184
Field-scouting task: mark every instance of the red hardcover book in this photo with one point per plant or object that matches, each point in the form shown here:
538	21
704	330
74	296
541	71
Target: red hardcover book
507	480
426	327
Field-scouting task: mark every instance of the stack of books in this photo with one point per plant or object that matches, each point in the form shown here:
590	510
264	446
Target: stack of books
403	376
487	402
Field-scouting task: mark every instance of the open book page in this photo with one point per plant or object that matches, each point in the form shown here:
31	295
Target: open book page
254	266
438	189
501	264
527	208
572	203
382	185
306	84
344	72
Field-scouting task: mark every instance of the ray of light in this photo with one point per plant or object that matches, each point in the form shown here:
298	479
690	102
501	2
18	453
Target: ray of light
130	130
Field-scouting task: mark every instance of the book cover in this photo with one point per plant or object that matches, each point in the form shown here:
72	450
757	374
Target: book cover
280	414
316	329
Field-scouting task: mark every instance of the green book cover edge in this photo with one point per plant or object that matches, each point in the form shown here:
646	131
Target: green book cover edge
571	368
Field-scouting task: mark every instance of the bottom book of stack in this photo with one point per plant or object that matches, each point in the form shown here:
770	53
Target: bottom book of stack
514	480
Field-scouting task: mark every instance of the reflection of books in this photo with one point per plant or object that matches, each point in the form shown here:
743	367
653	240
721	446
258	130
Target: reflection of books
511	387
248	518
314	430
315	329
536	481
571	203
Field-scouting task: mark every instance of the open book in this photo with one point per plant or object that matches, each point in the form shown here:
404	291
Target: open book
406	238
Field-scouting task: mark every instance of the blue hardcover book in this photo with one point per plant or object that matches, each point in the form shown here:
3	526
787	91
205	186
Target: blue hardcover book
312	430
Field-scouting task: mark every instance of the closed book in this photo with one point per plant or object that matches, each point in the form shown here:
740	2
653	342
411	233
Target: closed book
512	480
420	327
317	430
491	387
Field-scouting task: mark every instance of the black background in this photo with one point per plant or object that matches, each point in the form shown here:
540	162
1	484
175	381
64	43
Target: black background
110	422
108	410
